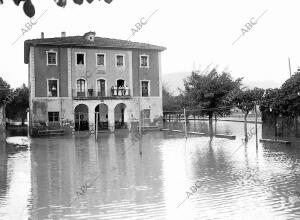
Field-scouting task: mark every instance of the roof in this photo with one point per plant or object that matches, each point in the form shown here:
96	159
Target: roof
81	41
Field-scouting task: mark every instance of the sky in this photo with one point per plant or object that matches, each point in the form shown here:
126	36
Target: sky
196	33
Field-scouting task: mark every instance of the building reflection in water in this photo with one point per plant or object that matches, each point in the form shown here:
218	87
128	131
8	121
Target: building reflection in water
126	178
15	183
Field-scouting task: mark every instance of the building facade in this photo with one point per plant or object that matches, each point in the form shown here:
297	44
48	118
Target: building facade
87	80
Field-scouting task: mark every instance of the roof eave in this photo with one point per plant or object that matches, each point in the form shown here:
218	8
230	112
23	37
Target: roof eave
29	43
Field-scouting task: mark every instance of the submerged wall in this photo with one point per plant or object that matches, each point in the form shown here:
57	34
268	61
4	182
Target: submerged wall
280	126
2	120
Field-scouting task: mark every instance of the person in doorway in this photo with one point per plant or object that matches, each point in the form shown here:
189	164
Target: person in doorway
120	91
126	90
123	90
115	90
112	90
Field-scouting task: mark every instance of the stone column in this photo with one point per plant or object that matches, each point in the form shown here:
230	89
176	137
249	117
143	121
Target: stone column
128	117
111	118
91	120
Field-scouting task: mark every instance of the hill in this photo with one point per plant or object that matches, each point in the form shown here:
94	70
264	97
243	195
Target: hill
173	81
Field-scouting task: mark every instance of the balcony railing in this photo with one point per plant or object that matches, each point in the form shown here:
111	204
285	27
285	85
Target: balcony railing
113	93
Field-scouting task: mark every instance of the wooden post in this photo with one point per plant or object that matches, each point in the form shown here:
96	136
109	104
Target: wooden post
140	121
27	123
256	125
185	129
143	121
96	134
140	145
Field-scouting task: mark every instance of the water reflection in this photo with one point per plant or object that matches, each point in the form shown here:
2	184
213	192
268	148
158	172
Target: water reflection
238	180
15	183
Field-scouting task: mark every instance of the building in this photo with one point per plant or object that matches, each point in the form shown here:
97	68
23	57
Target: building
73	78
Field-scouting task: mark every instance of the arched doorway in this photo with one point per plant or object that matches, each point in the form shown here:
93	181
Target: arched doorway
102	109
120	116
81	118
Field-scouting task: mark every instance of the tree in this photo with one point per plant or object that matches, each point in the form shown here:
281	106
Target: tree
4	91
19	104
272	104
29	8
290	96
270	101
284	101
169	101
208	92
246	100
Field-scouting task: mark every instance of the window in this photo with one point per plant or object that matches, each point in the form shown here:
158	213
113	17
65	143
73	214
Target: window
144	61
52	88
80	87
80	59
101	87
145	113
145	88
53	116
51	58
120	60
91	38
100	59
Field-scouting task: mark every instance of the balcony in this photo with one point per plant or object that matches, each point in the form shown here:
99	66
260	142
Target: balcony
92	94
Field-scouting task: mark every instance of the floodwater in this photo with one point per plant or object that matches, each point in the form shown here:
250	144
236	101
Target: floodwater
81	178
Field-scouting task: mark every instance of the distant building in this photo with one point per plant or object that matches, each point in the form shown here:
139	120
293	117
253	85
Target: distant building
72	78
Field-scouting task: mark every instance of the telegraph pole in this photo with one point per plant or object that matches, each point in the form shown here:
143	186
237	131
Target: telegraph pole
290	67
256	125
27	115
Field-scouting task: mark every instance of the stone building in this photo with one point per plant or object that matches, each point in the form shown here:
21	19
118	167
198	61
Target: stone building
73	78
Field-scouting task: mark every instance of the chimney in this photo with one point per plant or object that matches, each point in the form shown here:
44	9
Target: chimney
42	35
63	34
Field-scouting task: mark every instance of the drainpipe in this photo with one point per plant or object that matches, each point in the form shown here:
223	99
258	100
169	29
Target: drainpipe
61	110
139	95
